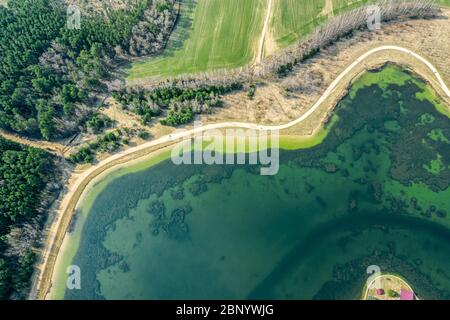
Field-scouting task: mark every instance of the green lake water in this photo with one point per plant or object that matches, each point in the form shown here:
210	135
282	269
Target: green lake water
374	192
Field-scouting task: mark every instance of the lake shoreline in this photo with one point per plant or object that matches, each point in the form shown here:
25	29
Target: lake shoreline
73	196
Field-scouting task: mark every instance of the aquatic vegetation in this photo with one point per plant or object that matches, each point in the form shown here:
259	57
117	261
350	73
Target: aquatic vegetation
370	193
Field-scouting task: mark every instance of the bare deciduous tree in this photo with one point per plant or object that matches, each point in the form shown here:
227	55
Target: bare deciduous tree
150	35
323	36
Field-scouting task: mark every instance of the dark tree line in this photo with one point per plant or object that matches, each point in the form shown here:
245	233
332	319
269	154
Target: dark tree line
107	142
180	102
25	174
50	75
27	28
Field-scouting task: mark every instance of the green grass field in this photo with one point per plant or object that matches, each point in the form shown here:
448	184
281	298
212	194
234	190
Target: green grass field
212	34
293	19
217	34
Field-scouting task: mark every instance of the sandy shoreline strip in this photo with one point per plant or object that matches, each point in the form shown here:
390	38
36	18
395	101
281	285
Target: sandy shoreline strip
70	200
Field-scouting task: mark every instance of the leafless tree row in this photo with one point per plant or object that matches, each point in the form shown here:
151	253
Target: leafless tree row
331	31
343	25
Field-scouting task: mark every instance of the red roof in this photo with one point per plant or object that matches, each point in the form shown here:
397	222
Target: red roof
406	295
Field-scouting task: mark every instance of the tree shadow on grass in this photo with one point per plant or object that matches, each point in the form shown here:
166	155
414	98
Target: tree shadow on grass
176	42
182	29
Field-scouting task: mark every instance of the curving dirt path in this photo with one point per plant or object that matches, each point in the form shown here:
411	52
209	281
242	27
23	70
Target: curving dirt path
70	200
52	147
369	285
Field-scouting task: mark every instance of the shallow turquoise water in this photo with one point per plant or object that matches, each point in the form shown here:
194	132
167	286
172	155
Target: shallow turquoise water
365	196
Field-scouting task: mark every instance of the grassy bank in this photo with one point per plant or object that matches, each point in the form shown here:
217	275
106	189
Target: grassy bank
391	74
352	110
98	184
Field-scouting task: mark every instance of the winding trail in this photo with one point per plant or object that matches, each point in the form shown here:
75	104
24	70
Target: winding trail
62	221
52	147
262	40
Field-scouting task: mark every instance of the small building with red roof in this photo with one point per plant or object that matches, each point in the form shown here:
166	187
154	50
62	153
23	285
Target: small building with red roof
406	295
380	292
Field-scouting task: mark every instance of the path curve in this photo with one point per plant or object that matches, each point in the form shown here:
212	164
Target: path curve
390	276
52	249
52	147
